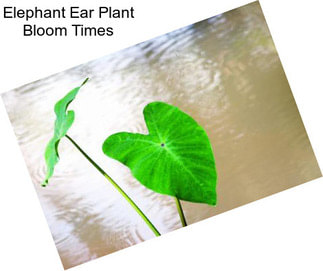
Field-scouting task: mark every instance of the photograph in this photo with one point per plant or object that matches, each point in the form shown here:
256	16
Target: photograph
161	135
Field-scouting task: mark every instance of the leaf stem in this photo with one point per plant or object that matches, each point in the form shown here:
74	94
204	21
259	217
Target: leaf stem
180	212
130	201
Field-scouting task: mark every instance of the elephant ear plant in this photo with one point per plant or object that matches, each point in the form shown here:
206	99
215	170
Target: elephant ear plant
174	159
64	120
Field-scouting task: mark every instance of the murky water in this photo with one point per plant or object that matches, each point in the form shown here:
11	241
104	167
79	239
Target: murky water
223	71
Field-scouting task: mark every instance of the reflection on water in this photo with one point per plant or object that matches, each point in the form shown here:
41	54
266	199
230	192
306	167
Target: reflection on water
223	71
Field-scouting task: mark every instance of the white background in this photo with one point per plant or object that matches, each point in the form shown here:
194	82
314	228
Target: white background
281	232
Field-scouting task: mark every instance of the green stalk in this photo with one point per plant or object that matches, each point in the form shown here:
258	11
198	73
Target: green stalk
131	202
180	212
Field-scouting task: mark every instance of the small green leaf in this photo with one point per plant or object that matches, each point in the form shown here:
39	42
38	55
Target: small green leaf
63	122
175	158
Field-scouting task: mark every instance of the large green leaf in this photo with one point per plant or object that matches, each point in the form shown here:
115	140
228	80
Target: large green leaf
175	158
63	122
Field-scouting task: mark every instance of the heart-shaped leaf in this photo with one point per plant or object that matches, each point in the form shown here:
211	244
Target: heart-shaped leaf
175	158
63	122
